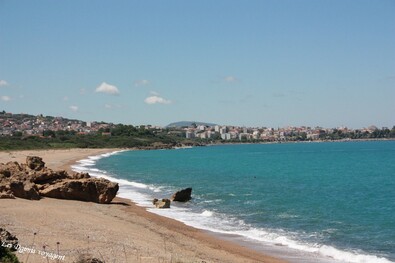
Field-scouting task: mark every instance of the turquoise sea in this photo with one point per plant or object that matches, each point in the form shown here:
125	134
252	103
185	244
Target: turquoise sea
310	202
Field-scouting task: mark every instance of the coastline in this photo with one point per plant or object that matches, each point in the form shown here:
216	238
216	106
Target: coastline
120	231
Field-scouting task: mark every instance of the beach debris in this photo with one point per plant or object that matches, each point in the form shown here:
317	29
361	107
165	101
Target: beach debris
35	163
32	180
163	203
182	195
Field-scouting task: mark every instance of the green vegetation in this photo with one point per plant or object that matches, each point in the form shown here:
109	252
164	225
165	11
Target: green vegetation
119	136
358	134
6	256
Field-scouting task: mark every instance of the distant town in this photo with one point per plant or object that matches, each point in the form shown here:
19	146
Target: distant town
21	125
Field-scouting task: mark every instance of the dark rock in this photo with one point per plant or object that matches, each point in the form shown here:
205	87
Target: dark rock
92	189
35	163
155	200
164	203
182	196
26	190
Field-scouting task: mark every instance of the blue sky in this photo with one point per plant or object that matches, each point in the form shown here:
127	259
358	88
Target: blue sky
253	63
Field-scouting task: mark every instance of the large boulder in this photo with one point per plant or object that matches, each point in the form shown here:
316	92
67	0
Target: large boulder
35	163
163	203
182	196
92	189
24	189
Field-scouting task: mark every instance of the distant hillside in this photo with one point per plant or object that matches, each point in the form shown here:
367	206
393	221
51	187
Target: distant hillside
188	123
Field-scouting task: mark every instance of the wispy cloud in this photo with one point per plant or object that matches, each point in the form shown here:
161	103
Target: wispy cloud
154	93
3	83
5	98
107	88
156	99
230	79
73	108
65	98
141	82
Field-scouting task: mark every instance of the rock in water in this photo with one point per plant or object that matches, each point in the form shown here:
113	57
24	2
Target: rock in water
35	163
182	196
164	203
92	190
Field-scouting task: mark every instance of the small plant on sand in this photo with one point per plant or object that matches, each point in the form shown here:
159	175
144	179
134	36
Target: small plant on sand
57	249
44	248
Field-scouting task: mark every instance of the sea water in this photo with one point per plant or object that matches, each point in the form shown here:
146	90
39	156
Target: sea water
311	202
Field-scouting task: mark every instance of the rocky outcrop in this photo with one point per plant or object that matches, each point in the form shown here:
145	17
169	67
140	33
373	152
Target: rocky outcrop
35	163
182	196
24	189
33	180
48	176
163	203
86	189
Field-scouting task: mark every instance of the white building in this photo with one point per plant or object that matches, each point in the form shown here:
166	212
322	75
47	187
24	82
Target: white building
225	136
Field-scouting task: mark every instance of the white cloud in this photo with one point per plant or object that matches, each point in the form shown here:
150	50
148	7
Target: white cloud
230	79
5	98
108	106
107	88
3	83
156	99
154	93
73	108
141	82
65	98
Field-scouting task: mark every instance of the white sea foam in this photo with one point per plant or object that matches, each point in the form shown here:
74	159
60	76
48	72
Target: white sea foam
141	194
207	213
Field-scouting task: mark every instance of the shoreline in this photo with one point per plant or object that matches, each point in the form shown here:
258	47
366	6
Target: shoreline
156	238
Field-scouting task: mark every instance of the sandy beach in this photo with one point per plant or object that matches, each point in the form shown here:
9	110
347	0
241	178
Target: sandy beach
65	230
